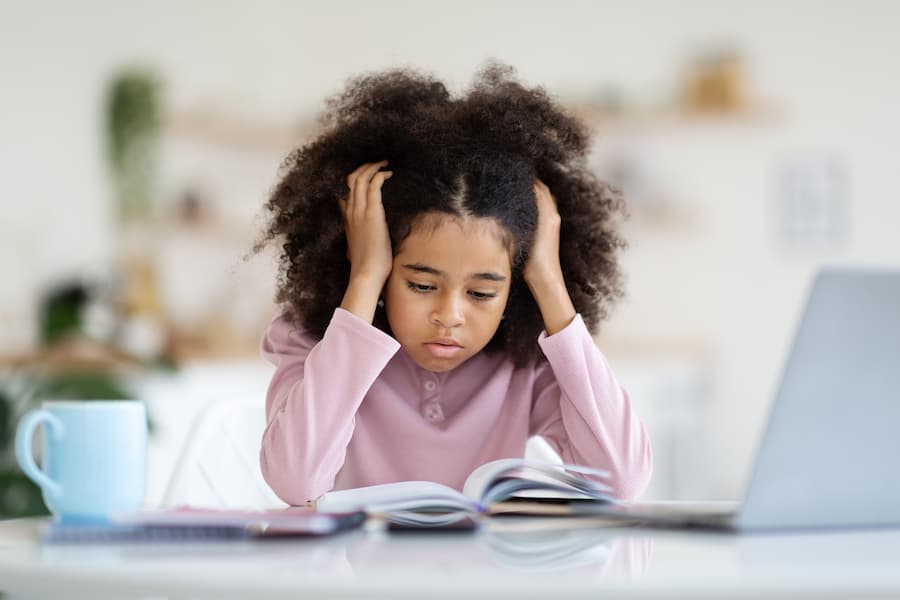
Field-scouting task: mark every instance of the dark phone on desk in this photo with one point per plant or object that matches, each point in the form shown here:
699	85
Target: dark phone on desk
463	525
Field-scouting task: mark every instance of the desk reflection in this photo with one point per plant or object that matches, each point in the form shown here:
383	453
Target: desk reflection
565	545
507	560
526	546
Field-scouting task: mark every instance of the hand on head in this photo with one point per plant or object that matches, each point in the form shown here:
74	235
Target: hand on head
368	242
543	270
543	259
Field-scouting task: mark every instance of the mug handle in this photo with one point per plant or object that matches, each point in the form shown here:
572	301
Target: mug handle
24	434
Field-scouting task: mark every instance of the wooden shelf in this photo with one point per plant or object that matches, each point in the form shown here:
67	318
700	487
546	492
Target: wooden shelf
272	136
234	131
674	118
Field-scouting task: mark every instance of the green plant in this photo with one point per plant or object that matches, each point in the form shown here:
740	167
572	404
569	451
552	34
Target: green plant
133	118
60	313
19	496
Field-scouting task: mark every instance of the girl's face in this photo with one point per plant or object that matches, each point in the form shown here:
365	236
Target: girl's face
448	289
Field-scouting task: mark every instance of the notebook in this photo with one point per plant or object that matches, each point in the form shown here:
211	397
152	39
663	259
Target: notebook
193	525
829	454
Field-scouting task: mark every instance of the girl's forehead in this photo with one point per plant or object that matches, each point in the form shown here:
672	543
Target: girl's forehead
452	239
431	223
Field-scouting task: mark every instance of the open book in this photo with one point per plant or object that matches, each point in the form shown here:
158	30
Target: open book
505	485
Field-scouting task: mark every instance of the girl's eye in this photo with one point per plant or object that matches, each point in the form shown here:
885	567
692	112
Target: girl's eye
482	296
424	288
419	288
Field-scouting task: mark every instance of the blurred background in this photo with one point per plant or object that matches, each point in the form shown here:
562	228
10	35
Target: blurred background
753	142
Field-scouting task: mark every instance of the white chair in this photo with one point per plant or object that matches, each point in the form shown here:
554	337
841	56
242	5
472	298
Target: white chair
218	466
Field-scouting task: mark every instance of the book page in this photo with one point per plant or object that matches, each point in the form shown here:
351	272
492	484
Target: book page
555	477
402	495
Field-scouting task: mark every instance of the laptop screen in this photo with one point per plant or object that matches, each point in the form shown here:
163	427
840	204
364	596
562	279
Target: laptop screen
829	456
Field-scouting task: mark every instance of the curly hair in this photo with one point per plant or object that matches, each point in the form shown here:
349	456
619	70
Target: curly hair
472	155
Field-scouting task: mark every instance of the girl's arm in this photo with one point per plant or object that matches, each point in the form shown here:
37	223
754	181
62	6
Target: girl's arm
312	401
368	241
543	272
585	415
318	387
579	407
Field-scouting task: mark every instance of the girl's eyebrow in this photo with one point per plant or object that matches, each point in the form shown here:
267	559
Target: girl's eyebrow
487	276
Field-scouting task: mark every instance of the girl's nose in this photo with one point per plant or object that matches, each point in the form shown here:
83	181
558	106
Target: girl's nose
448	314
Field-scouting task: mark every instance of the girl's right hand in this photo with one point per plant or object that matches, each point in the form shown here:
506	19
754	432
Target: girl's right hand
368	242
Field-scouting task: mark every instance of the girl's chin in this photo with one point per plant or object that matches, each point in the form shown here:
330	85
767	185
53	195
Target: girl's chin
438	364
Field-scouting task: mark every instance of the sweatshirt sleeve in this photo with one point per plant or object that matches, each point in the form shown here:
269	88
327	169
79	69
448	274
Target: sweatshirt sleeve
583	412
312	400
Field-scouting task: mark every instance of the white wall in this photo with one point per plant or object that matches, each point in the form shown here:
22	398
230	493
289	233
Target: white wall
830	67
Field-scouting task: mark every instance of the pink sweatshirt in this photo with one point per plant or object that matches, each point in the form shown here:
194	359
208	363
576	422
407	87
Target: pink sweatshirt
353	409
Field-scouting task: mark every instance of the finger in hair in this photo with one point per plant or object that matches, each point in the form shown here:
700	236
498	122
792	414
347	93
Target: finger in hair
362	184
361	190
351	178
374	197
370	171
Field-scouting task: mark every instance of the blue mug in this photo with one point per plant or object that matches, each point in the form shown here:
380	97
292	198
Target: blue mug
94	457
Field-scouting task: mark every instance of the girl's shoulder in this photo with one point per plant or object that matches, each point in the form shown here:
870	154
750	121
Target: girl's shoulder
283	336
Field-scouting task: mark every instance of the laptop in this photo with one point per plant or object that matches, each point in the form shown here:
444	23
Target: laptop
830	455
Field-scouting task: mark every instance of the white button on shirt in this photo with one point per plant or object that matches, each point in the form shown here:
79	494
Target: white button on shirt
430	385
433	412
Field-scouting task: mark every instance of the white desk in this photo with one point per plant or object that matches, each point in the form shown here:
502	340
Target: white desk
626	563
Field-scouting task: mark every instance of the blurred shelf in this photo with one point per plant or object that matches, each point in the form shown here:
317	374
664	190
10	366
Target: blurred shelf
668	218
231	130
219	129
73	355
646	120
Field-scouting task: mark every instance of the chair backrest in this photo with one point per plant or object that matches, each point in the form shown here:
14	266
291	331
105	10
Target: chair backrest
218	466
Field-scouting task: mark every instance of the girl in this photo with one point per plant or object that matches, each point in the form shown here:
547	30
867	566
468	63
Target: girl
444	261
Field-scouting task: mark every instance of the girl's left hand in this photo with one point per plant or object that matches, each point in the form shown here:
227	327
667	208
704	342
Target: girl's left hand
543	271
543	261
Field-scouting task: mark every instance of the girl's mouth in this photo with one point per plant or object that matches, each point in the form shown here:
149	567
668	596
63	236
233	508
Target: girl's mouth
443	350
